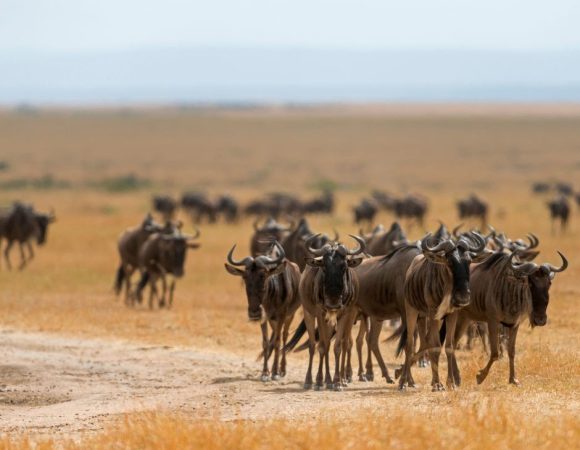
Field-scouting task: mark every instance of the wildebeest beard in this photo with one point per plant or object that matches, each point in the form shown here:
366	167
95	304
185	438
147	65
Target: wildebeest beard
334	282
460	270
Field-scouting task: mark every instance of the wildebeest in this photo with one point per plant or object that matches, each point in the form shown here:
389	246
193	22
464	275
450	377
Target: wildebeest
166	206
271	283
506	293
294	243
163	254
265	235
227	206
411	207
328	291
199	207
559	210
564	188
540	187
473	207
21	224
128	245
385	200
382	241
365	211
320	205
437	285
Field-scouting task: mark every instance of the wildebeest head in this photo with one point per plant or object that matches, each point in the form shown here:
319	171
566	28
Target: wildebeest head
539	279
255	274
150	225
42	222
334	261
457	256
173	250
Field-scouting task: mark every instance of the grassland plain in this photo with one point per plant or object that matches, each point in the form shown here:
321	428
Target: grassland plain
443	153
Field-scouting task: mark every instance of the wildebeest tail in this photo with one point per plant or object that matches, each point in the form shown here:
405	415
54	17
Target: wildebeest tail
119	279
141	285
443	332
400	333
296	337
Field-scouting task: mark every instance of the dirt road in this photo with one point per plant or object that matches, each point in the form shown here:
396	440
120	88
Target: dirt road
54	384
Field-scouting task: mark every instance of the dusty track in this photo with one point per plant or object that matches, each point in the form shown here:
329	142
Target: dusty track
54	384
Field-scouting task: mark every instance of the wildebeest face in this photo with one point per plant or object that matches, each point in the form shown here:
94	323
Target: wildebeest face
174	252
42	222
540	282
459	262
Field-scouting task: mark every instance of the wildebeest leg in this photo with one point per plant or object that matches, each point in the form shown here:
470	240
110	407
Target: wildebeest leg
362	332
163	290
453	377
129	297
411	315
285	331
309	321
152	290
375	332
30	250
422	331
266	350
434	344
277	331
348	368
7	254
22	256
171	291
492	327
322	352
512	335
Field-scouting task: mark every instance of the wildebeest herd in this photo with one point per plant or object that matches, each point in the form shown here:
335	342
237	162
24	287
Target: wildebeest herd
437	286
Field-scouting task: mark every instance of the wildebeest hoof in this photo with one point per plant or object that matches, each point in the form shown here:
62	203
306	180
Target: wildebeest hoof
515	382
437	387
276	377
338	387
318	387
480	377
330	386
422	363
362	377
389	380
265	378
370	376
307	386
348	380
398	373
451	385
402	387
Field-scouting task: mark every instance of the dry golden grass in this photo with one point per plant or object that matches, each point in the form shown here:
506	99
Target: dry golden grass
68	288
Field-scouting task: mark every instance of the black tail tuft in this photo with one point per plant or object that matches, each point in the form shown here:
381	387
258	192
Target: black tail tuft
296	337
141	285
119	279
443	332
401	333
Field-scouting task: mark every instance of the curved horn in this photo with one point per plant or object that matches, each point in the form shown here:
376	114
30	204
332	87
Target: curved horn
455	231
562	268
492	233
233	262
336	235
521	269
195	236
265	259
315	251
479	242
444	246
361	245
534	241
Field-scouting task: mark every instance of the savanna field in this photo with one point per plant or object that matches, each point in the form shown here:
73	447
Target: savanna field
80	369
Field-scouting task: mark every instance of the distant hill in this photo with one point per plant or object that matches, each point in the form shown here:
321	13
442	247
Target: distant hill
231	75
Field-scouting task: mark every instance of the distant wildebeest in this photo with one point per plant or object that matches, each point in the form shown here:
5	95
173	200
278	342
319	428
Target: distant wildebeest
540	187
436	286
559	210
381	242
577	198
265	235
129	244
365	211
321	205
328	291
411	207
199	207
22	224
166	206
473	207
507	293
385	200
163	254
525	252
227	206
271	283
294	244
563	188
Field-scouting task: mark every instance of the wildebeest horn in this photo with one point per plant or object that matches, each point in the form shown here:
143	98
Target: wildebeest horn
562	268
243	262
534	241
479	241
336	235
492	233
264	260
197	234
455	231
361	246
444	246
522	269
315	251
255	225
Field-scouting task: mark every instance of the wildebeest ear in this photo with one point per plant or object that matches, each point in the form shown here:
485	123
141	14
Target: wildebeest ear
354	262
436	257
480	257
313	261
233	270
193	245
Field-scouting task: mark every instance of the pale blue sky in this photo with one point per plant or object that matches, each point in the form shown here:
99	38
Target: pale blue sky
80	25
